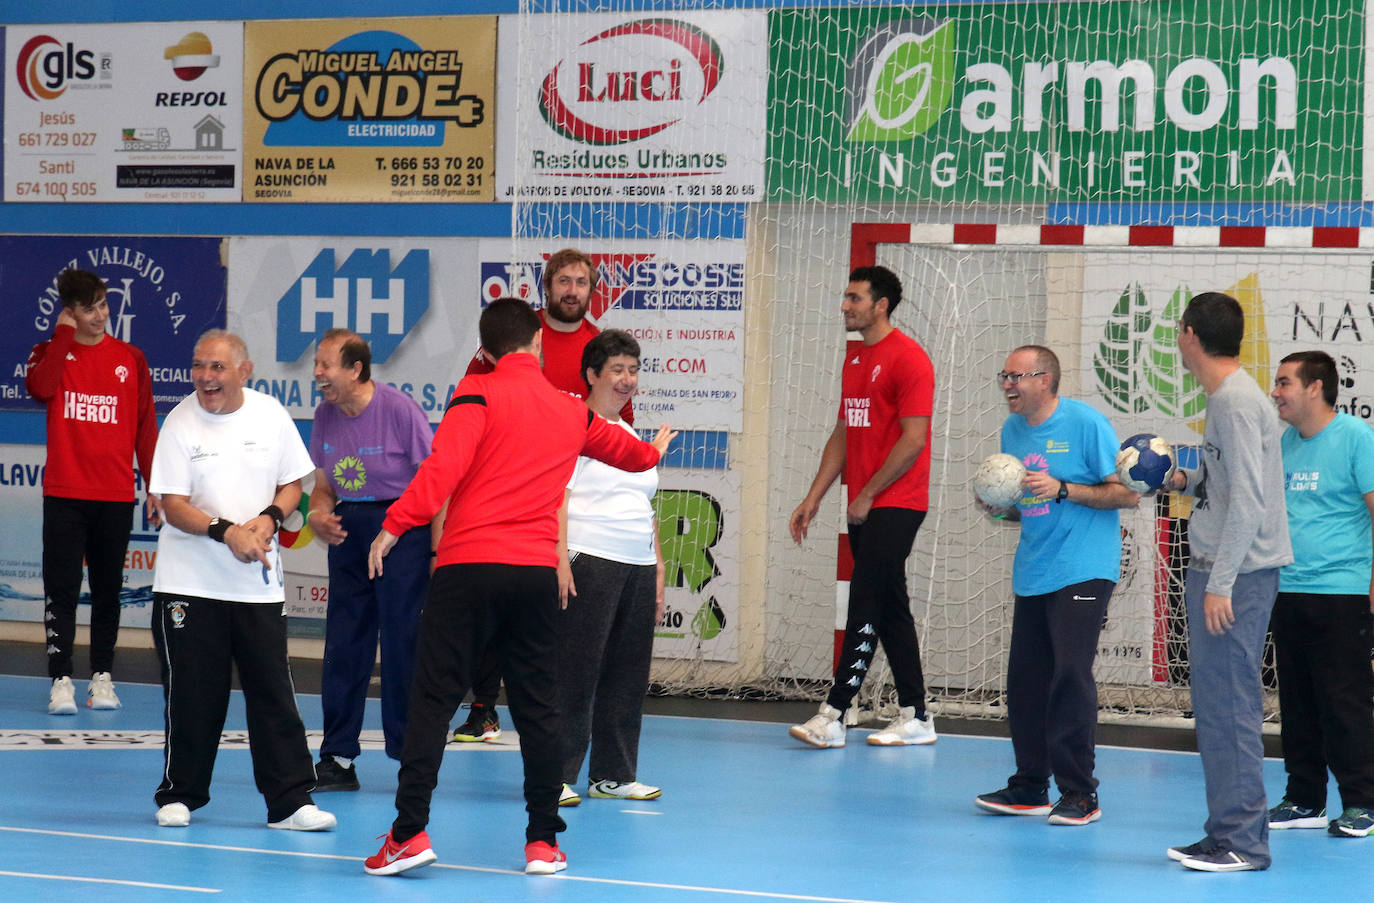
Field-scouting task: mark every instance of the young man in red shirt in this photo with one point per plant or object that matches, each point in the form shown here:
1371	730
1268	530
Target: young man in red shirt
100	415
502	459
882	444
570	281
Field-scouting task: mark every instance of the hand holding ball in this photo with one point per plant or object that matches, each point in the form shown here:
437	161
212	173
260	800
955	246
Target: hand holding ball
1145	463
997	482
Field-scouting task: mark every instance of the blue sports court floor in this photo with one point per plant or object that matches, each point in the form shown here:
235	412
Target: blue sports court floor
747	814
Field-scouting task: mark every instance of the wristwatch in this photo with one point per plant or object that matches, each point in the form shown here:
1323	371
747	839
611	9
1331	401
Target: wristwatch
1063	492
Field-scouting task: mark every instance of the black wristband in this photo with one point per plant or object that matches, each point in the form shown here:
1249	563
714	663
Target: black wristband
217	528
273	512
1063	492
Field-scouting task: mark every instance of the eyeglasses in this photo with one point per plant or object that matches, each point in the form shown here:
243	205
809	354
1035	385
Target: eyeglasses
1014	378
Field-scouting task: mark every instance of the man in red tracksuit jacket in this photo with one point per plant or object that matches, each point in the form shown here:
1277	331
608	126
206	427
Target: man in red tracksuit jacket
570	282
502	457
99	396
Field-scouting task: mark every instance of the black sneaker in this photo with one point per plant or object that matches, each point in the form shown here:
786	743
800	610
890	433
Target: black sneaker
1015	801
1075	809
482	724
330	776
1202	847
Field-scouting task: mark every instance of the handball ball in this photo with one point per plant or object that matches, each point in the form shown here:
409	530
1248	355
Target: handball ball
1145	462
997	482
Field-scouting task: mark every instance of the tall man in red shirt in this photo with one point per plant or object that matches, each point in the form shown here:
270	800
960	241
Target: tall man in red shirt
100	415
569	283
503	456
882	444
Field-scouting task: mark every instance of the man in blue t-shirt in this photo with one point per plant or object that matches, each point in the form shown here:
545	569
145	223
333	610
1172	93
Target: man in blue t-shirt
1324	615
1066	567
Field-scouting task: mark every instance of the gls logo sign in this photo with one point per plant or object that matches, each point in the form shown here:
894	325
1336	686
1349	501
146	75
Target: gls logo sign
365	294
45	67
594	96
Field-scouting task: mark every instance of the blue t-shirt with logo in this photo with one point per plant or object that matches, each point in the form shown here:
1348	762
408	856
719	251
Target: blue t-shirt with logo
1325	479
1063	543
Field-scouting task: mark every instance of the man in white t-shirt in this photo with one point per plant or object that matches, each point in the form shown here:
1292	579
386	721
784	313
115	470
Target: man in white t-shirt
229	462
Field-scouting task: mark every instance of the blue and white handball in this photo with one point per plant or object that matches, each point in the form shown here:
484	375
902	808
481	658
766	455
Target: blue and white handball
1145	462
997	482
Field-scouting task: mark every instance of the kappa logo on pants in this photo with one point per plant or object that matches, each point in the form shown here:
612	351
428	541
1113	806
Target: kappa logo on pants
177	612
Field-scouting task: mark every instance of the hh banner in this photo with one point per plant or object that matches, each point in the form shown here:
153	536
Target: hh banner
617	106
414	302
162	293
683	301
370	109
145	112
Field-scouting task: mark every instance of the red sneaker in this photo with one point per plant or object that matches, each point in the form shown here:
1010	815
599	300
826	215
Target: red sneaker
543	858
394	858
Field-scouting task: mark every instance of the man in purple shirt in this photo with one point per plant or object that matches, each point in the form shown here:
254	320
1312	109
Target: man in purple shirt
368	440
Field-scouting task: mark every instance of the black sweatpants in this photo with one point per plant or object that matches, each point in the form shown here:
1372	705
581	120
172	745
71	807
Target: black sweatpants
199	641
1326	695
468	605
605	645
880	609
77	530
1051	693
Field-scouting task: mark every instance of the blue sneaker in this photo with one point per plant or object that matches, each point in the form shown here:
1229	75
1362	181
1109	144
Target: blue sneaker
1015	801
1354	822
1289	814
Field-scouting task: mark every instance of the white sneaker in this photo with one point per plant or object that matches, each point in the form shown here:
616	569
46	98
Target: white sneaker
824	729
62	697
905	730
174	815
101	694
631	790
306	818
568	797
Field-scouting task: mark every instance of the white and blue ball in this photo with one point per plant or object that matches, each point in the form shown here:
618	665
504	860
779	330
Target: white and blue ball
1145	462
997	481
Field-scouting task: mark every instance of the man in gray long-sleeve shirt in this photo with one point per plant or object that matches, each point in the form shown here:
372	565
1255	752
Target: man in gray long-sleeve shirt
1238	534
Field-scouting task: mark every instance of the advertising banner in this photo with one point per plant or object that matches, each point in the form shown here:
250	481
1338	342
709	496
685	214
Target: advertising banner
21	554
668	108
366	110
162	293
129	112
413	300
1049	101
1292	302
683	302
698	528
1129	344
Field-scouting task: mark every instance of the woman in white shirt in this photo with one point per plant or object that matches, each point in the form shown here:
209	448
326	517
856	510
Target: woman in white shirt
610	579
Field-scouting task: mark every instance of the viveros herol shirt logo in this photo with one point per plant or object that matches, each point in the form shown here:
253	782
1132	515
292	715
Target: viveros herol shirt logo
45	67
631	81
364	294
901	80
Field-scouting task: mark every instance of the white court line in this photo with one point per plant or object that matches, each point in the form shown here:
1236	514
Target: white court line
730	891
194	890
639	812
